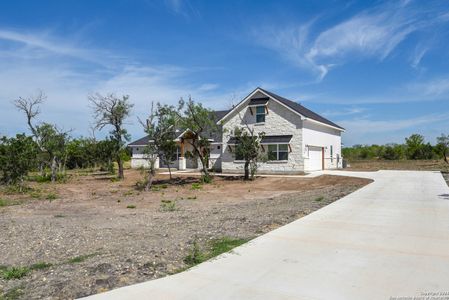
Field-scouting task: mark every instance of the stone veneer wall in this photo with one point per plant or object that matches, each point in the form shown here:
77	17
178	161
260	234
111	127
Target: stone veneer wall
278	121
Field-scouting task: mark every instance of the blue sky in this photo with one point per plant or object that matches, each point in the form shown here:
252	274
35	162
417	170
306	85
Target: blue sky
379	69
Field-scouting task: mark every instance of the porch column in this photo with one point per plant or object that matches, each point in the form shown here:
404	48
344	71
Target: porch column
182	159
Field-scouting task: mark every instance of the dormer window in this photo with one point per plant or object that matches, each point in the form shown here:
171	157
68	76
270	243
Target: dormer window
260	114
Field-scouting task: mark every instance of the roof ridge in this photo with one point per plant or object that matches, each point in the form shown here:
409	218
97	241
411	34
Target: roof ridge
308	113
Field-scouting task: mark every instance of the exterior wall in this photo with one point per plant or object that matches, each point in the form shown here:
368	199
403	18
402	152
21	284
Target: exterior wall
322	136
138	158
215	157
278	121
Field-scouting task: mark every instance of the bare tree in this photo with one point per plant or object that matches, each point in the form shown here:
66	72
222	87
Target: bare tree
110	110
50	140
31	107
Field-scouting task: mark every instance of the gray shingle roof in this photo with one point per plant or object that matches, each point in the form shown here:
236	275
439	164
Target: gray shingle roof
140	142
218	114
301	109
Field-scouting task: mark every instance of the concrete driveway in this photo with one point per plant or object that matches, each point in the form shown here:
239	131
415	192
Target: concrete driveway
387	240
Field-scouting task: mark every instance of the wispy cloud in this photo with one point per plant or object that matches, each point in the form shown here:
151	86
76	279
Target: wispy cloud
182	7
56	70
37	45
365	130
373	33
434	88
343	112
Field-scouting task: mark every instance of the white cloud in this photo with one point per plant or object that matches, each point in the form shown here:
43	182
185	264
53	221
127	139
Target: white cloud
434	88
69	78
182	7
38	45
369	131
373	33
343	112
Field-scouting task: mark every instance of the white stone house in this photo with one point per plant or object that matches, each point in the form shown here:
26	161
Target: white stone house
297	140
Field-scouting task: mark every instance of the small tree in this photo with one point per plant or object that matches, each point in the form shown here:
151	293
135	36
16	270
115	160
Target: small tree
160	126
248	149
415	144
17	158
200	122
112	111
53	142
443	146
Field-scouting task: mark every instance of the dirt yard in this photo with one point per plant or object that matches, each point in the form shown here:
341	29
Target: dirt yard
419	165
374	165
93	234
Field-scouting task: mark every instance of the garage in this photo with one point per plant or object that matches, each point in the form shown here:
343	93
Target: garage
315	161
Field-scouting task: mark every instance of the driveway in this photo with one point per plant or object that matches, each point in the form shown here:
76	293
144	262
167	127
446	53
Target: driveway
387	240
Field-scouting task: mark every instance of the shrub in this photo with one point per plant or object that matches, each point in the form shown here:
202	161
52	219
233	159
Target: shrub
131	206
196	186
14	272
196	256
168	205
318	199
51	196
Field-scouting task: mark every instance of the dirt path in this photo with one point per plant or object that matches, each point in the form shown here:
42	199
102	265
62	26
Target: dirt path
95	243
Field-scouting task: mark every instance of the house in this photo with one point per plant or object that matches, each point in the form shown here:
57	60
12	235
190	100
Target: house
296	140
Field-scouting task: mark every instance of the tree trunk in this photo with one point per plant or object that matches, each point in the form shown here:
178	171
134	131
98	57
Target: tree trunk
121	174
151	174
54	169
169	170
246	170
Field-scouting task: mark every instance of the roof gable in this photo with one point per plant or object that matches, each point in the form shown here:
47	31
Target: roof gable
294	106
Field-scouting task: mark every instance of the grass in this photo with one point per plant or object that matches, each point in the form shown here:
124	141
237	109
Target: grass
36	194
215	247
158	187
131	206
81	258
372	165
168	205
7	202
9	273
51	196
196	186
40	266
319	199
13	294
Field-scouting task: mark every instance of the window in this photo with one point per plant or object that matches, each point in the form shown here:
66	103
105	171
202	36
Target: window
278	152
260	114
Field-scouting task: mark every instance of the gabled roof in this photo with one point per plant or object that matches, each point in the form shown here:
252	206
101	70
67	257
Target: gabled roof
296	107
140	142
218	114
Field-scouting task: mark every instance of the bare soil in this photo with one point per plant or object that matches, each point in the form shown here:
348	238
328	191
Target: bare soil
418	165
99	234
374	165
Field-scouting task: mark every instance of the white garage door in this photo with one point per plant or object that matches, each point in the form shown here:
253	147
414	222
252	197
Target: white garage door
315	159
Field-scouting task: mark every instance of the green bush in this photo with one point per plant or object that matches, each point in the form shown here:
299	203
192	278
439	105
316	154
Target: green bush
168	205
14	272
196	186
